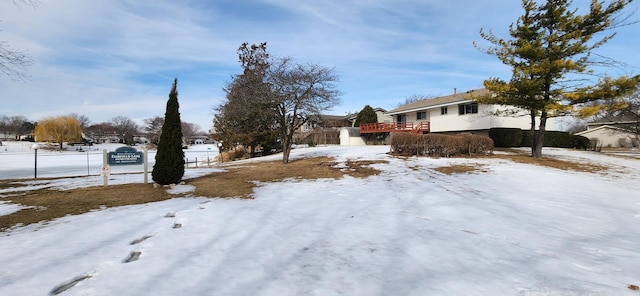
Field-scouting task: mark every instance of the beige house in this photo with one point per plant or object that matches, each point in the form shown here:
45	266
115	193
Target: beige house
610	136
382	115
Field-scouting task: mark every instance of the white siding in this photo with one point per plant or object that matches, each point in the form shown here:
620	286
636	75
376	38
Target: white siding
483	120
350	139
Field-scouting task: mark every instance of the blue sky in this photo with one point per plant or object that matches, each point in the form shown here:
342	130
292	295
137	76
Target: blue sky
108	58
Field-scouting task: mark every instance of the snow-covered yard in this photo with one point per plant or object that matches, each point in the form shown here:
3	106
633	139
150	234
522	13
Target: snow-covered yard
507	229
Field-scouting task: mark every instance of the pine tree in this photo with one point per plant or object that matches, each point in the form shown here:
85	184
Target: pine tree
366	115
247	115
550	45
169	166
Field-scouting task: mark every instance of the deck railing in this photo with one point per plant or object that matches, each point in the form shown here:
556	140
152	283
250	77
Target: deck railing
381	127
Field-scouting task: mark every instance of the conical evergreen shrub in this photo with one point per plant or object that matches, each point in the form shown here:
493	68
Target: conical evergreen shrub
169	166
366	115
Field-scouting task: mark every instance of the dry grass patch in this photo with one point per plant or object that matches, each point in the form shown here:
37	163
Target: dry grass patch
48	204
520	156
238	181
461	169
554	163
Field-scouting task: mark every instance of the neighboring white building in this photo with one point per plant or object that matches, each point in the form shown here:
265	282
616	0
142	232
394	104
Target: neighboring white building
198	140
350	136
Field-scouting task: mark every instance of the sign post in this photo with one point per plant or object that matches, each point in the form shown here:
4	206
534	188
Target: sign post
105	171
146	165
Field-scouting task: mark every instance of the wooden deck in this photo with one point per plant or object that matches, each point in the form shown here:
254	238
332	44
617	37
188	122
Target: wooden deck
403	127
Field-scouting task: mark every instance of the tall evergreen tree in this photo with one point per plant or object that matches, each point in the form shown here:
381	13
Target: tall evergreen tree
550	45
366	115
169	166
247	115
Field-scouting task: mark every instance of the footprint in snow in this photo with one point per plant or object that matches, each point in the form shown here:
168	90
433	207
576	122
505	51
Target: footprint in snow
133	256
68	285
137	241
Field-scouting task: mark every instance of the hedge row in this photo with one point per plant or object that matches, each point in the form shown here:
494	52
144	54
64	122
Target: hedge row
438	145
515	137
506	137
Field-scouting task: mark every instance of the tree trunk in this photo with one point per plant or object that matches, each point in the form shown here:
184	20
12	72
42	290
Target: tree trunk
286	149
539	136
532	132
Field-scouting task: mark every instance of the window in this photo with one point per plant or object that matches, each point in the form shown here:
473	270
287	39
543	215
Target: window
443	110
469	108
421	115
401	118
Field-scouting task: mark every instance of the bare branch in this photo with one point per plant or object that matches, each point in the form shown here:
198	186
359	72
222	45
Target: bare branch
13	62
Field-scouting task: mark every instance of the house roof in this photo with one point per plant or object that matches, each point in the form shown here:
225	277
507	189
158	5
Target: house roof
333	117
440	101
613	120
609	127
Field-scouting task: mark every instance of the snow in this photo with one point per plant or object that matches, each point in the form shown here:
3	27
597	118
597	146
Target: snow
515	229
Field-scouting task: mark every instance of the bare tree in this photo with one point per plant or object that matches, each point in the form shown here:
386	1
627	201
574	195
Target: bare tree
189	129
82	120
153	128
299	92
15	125
414	98
14	62
20	3
125	128
99	130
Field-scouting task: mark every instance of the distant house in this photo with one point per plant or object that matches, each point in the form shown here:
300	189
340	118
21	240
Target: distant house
610	136
321	129
4	135
380	112
455	113
615	132
198	140
141	139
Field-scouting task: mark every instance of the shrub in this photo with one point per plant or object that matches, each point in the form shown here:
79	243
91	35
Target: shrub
558	140
311	143
506	137
438	145
239	152
580	142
